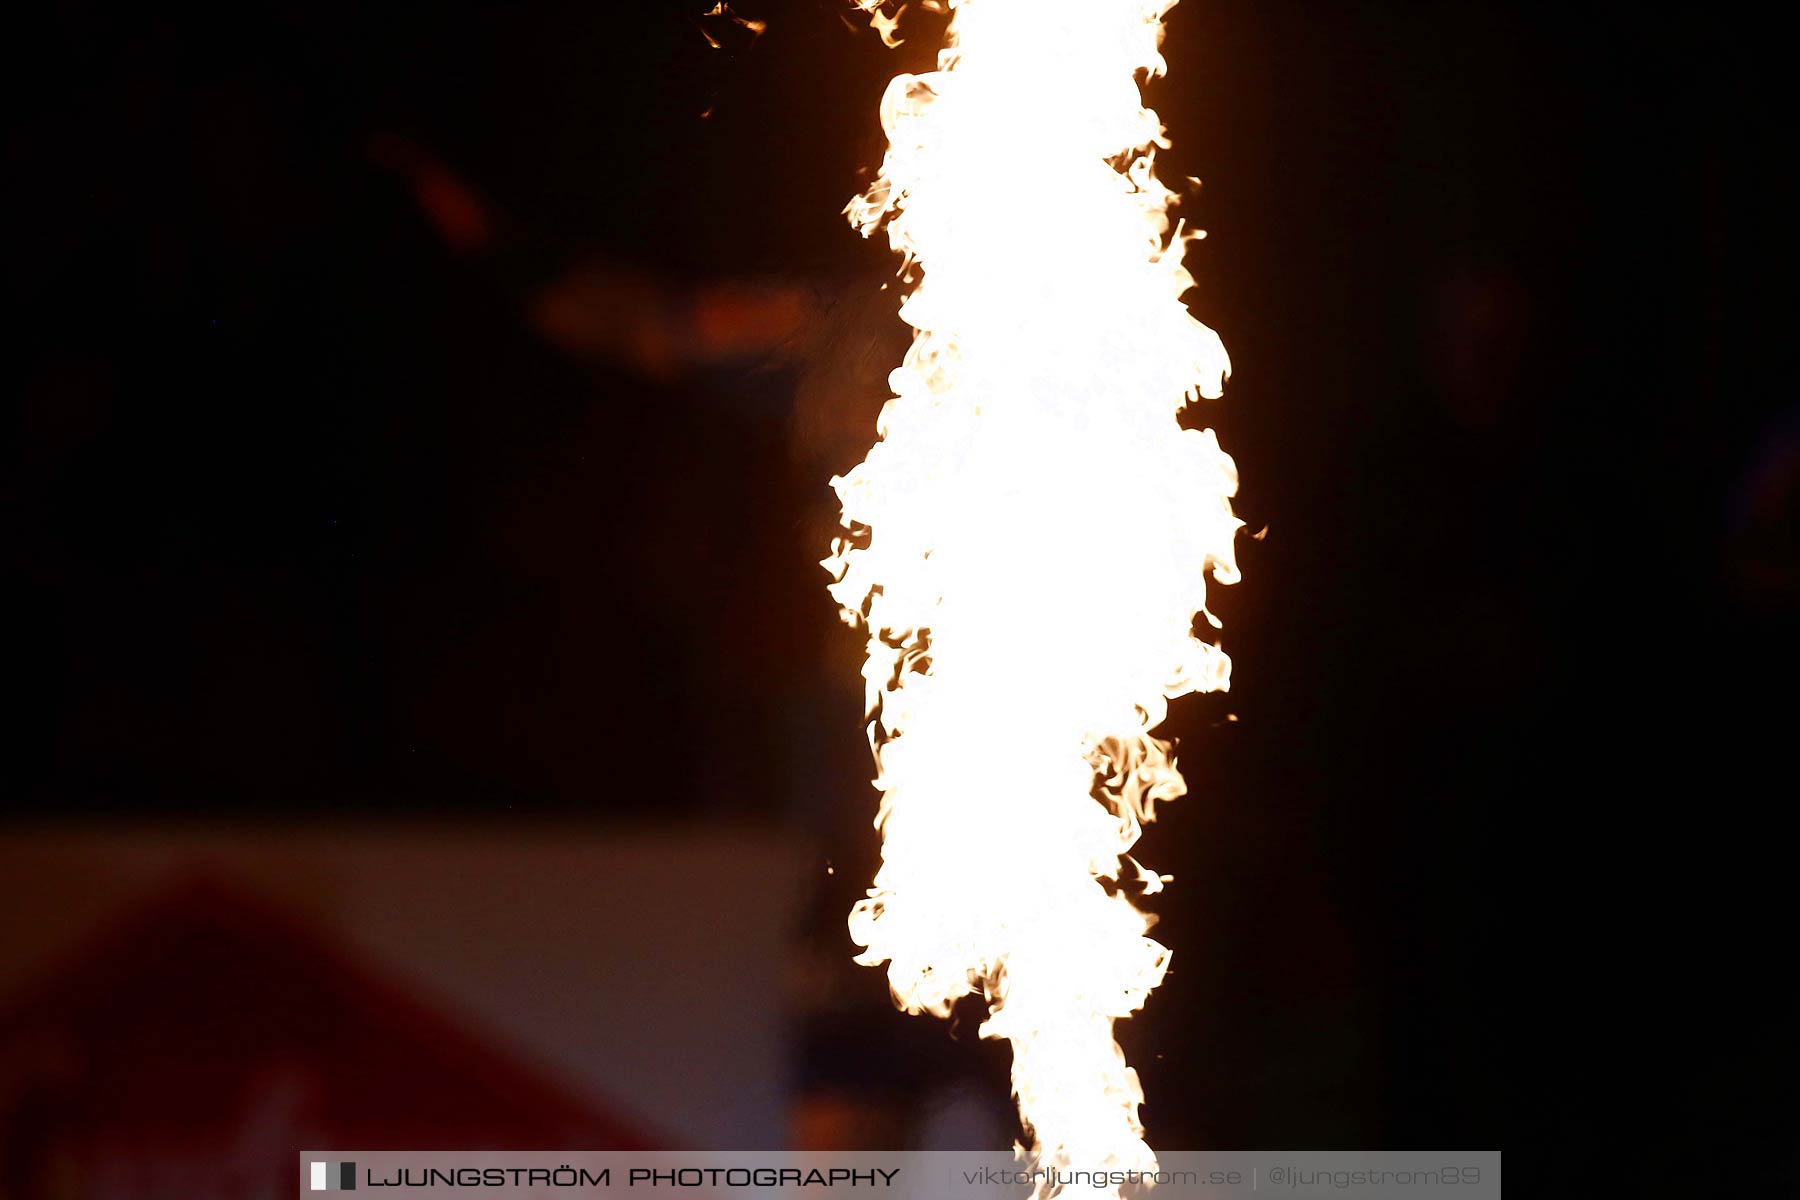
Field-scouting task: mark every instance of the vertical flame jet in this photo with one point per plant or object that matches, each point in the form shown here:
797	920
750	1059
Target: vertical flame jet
1028	543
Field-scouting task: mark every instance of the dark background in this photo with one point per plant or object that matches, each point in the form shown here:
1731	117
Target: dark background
313	512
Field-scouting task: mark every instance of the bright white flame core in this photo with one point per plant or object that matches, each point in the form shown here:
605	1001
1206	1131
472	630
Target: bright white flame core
1028	543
